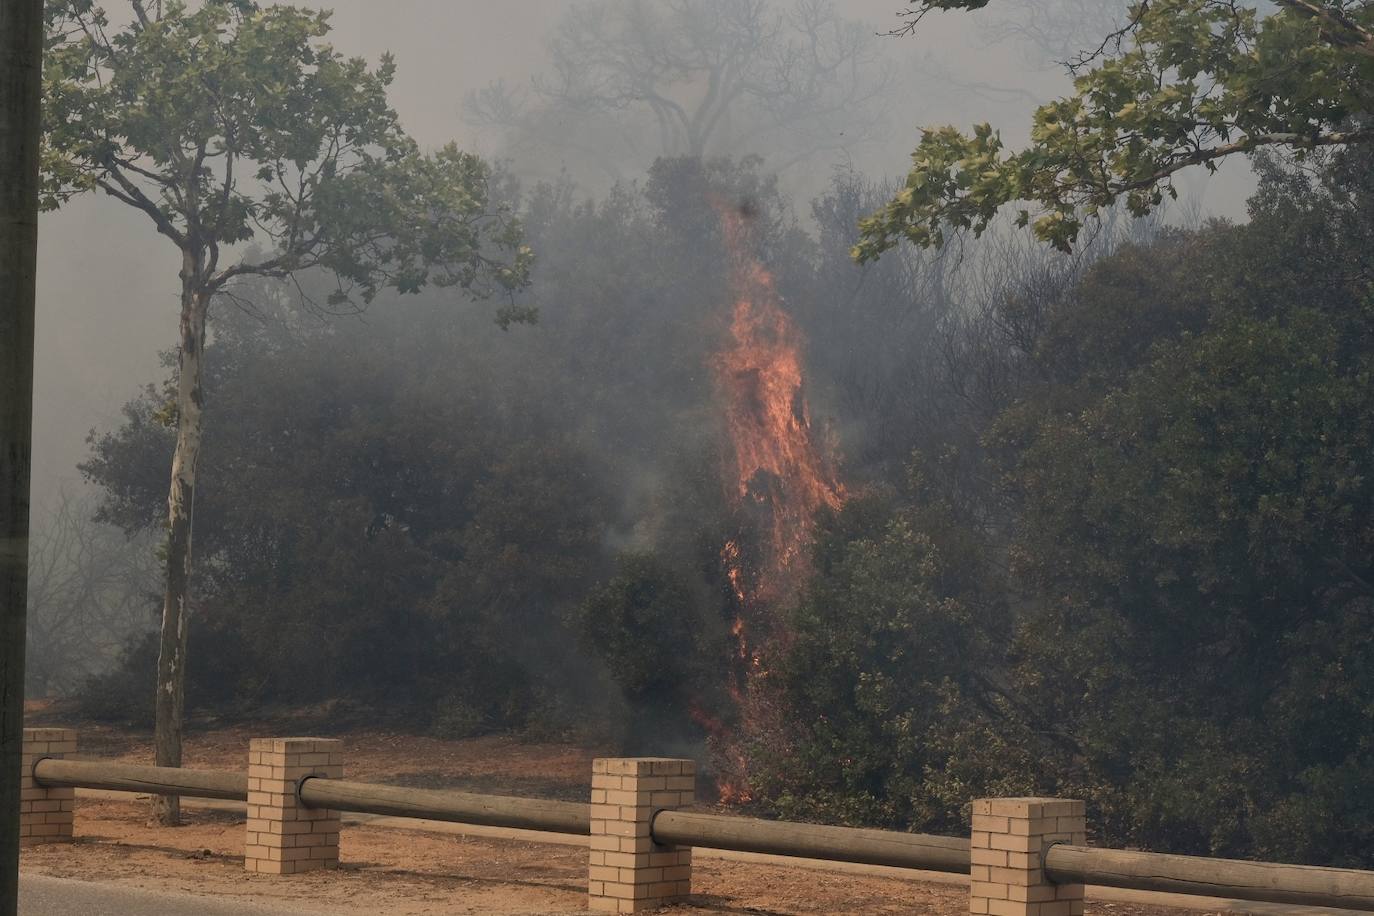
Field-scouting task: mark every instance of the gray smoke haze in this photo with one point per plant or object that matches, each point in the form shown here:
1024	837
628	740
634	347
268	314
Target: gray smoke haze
107	295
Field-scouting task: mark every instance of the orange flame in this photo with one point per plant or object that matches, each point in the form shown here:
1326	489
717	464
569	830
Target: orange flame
731	782
780	470
778	462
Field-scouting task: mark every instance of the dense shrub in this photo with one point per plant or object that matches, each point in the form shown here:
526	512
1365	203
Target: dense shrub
1178	518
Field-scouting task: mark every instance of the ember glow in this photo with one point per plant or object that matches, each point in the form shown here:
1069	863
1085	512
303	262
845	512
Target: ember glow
782	473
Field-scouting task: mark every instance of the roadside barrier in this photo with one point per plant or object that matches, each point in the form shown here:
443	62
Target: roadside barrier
1024	856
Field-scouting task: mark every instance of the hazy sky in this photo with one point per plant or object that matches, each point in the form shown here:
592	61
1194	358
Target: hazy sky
107	287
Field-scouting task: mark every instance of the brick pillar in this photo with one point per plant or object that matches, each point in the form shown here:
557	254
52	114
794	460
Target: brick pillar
630	873
284	836
45	815
1008	842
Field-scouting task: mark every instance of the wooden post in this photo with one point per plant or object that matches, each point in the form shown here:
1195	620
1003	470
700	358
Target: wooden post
21	49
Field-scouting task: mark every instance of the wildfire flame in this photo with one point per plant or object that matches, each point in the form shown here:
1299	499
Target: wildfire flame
732	785
782	474
779	464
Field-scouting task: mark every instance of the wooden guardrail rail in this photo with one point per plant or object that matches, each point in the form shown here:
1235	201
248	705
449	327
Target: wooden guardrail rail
367	798
447	805
680	828
1269	882
123	777
812	841
1061	865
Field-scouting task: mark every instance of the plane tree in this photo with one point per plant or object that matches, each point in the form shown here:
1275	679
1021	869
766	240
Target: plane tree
256	150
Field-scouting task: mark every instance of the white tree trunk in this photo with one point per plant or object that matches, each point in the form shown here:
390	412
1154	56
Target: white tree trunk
171	660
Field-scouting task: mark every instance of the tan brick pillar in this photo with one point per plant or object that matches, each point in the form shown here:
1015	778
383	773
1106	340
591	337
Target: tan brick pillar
1006	849
284	836
629	872
45	815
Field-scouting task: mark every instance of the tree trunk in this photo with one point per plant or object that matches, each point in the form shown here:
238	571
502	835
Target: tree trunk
171	659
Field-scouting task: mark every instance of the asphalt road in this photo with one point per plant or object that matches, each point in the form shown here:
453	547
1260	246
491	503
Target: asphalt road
43	896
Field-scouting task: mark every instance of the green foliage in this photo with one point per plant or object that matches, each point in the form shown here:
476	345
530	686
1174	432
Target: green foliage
1209	520
644	623
374	516
890	644
1185	83
1170	562
228	122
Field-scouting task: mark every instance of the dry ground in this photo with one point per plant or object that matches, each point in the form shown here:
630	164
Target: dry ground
420	873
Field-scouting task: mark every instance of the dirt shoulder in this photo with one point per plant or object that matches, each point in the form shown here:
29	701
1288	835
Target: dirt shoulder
423	873
419	873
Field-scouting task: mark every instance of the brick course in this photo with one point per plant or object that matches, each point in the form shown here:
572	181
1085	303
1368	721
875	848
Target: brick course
285	837
1008	840
45	815
629	872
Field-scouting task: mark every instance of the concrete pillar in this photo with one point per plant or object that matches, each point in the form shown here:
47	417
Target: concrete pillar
629	872
1006	849
284	836
45	815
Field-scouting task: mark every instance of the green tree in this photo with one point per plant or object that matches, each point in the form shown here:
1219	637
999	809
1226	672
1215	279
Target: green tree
1184	83
1207	521
1173	581
1193	509
230	123
383	530
895	714
660	643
